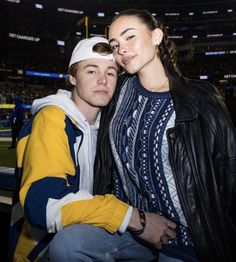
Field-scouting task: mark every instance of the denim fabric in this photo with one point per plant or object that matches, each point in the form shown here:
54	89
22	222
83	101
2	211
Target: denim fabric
85	243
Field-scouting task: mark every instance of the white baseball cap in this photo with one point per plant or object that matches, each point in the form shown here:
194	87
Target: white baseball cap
84	50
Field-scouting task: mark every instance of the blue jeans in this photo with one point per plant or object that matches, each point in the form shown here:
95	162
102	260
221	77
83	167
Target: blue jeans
86	243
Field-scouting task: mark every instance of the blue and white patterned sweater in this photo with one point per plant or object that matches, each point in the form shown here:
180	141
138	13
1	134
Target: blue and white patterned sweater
139	144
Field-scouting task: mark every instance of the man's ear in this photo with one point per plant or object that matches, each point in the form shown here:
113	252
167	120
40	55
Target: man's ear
157	36
72	80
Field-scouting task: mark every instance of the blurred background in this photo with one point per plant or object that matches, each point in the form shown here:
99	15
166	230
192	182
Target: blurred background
37	38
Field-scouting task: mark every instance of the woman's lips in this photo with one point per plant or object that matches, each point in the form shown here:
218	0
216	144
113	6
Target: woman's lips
126	60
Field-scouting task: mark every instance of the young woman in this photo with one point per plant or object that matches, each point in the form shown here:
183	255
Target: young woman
173	144
167	147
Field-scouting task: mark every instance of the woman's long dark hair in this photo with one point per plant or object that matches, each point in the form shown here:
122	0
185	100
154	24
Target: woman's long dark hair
167	53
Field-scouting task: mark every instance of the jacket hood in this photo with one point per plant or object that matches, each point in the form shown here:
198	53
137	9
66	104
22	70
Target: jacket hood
63	100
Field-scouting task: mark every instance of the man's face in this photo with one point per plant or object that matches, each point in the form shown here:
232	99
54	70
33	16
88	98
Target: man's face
94	82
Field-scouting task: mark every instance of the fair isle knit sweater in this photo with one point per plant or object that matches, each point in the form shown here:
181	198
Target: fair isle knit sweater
140	149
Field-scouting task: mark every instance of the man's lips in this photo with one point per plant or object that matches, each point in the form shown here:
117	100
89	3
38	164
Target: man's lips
101	92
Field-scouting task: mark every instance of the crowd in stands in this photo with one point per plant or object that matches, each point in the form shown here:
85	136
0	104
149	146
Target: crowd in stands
26	94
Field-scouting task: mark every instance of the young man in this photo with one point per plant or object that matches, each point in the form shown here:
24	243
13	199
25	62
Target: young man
55	157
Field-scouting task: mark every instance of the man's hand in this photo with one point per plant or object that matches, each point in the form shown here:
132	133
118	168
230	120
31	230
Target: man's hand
158	229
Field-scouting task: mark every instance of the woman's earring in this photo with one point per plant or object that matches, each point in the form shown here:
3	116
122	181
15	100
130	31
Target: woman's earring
157	51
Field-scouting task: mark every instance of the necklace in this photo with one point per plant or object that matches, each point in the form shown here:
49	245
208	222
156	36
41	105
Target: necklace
159	88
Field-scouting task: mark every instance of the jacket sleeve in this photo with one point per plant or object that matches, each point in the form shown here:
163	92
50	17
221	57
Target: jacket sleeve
221	122
47	198
228	143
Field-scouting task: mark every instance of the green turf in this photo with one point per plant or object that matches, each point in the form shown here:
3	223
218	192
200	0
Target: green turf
7	157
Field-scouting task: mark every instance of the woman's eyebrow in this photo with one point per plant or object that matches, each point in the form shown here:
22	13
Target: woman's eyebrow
122	33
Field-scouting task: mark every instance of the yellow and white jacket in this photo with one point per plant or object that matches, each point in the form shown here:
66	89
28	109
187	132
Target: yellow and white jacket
55	156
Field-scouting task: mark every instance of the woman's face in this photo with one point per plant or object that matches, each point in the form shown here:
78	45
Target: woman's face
133	43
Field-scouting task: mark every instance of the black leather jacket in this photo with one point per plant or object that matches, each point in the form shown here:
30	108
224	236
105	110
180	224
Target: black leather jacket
202	152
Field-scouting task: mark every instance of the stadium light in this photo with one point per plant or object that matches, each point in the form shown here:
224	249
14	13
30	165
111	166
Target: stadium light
38	6
14	1
100	14
210	12
60	43
203	77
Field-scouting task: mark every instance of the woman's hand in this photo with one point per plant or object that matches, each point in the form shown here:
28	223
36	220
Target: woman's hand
158	230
